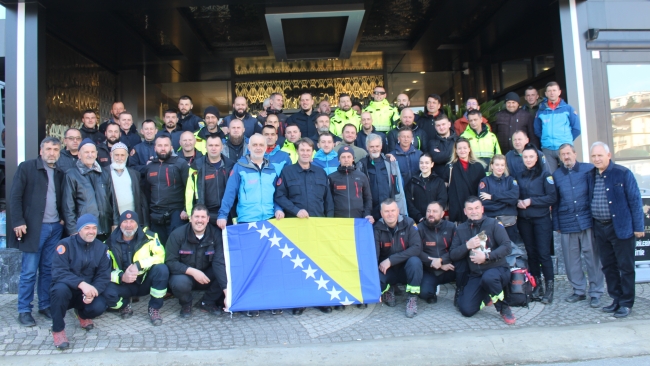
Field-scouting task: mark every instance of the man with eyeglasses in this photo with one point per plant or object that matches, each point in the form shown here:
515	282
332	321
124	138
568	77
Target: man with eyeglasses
384	115
69	156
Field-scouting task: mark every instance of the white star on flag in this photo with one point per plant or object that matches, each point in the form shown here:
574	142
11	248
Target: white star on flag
264	231
322	283
286	251
310	272
298	261
334	293
347	302
275	241
252	224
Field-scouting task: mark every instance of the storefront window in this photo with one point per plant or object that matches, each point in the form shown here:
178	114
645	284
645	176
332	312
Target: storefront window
516	71
629	93
543	63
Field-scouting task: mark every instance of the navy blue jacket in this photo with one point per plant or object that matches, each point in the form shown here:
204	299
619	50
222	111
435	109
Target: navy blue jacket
131	139
176	137
505	194
76	261
516	162
306	123
408	161
420	138
140	155
93	134
572	210
306	189
362	136
624	198
250	124
440	149
103	154
541	191
191	122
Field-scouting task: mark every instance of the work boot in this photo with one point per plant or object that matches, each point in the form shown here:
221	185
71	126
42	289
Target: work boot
46	313
433	299
412	306
548	294
186	310
538	291
506	314
388	297
154	316
126	311
209	308
86	324
456	294
26	319
60	340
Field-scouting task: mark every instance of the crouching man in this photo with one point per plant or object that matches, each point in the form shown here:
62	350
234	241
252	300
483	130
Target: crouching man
138	267
484	244
196	262
81	271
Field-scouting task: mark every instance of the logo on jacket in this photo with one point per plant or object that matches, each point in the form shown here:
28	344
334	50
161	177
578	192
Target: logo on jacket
549	179
153	174
482	185
132	152
514	181
279	182
430	243
209	176
60	249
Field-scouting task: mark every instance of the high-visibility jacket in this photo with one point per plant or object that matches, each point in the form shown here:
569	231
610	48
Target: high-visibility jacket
145	250
384	115
342	118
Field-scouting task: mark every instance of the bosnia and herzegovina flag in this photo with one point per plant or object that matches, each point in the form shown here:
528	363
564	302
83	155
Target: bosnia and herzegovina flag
294	263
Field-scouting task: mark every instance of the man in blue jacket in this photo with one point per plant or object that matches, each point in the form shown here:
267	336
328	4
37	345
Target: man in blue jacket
556	123
275	156
326	157
572	219
617	209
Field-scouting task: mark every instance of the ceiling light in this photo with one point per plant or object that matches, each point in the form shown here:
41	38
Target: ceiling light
421	72
407	89
415	81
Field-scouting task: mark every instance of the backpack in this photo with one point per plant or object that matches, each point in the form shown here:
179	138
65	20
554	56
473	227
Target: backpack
521	287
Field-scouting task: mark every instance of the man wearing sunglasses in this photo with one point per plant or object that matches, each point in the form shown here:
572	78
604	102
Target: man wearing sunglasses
384	115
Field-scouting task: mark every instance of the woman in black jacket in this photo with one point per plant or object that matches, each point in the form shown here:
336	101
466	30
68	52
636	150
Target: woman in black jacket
500	195
463	175
536	195
424	189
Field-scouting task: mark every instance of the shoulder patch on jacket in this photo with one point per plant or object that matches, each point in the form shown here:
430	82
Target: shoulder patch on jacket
415	226
132	152
60	249
108	255
549	179
279	182
514	181
482	185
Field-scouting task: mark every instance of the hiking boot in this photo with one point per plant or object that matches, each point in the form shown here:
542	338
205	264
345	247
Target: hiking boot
412	306
86	324
507	315
211	309
154	316
186	310
60	340
548	293
126	311
388	297
433	299
538	291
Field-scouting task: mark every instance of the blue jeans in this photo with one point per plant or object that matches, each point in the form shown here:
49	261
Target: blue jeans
40	261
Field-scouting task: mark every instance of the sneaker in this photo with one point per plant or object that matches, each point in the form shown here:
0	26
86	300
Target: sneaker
212	309
507	315
86	324
277	311
388	297
60	340
432	300
154	316
253	313
126	311
186	310
412	306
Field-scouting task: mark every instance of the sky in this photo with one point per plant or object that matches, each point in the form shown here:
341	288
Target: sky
628	78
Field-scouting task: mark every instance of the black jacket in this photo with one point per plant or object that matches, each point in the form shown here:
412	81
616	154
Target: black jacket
88	191
132	138
174	135
350	193
66	160
436	241
27	201
92	133
166	183
508	123
505	194
250	124
441	149
140	155
362	136
76	261
191	159
398	247
498	243
420	138
427	123
207	179
139	201
306	123
462	185
421	191
190	122
540	188
307	189
103	154
184	250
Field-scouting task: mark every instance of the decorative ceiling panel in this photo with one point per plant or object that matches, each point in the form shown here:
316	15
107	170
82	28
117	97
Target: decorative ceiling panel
395	23
268	65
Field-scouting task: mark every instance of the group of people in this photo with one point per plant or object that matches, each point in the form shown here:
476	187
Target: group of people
114	216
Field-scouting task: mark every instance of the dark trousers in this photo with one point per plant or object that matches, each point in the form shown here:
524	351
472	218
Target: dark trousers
409	273
182	285
164	231
617	259
513	234
537	234
153	282
430	280
62	298
479	288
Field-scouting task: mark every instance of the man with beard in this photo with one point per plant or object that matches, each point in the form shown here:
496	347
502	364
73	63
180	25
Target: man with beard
437	235
211	129
357	107
305	118
432	110
273	153
235	144
127	195
138	268
407	119
116	109
88	189
69	156
384	115
461	124
441	145
188	149
104	149
349	138
166	177
322	124
186	119
402	101
324	106
344	115
172	128
143	153
366	129
89	128
291	135
81	272
129	133
240	112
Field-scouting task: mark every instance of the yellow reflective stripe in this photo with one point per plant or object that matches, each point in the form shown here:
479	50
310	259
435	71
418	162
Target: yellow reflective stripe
158	294
482	305
115	266
413	289
498	297
115	276
387	288
118	305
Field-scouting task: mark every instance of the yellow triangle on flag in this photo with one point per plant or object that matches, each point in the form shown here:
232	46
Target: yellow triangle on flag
331	244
